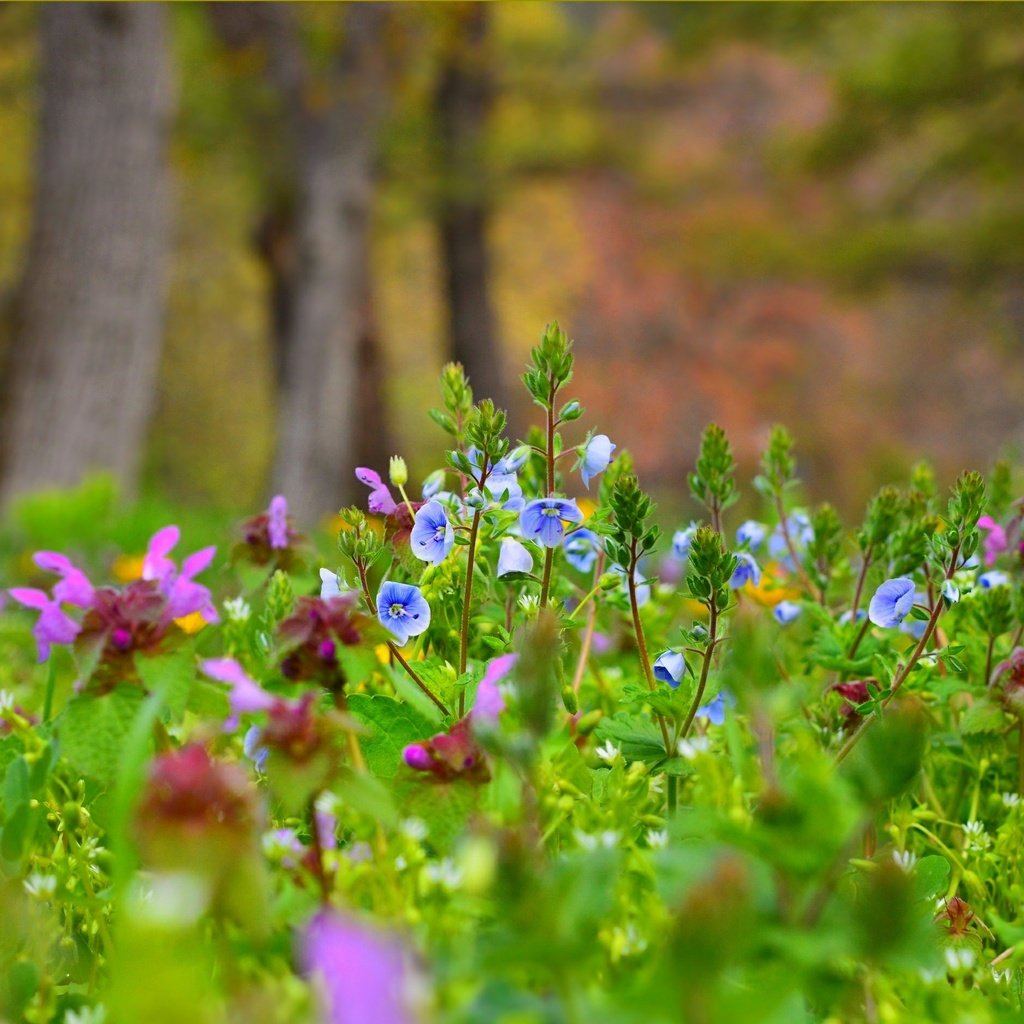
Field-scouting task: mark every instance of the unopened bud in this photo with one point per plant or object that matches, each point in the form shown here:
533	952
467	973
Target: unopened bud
398	472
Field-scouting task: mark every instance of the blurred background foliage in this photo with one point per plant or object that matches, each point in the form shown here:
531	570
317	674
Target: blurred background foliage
741	212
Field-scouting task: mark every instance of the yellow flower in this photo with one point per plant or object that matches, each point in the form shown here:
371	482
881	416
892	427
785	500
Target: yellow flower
587	506
191	623
770	591
383	654
127	568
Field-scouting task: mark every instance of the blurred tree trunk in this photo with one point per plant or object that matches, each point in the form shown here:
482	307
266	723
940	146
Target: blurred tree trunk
89	318
317	252
462	102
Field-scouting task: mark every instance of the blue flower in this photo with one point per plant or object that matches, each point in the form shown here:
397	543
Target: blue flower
786	611
670	667
505	485
848	616
752	534
402	610
915	627
581	548
747	571
595	456
800	532
892	602
513	557
950	592
681	541
714	710
513	462
432	535
994	578
433	484
544	519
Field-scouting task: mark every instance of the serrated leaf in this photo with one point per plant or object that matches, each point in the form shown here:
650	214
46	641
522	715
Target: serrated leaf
444	807
92	729
638	738
982	716
393	726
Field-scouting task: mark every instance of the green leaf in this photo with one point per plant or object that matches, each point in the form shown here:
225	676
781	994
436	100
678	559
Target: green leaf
393	725
172	674
16	786
929	876
444	807
92	730
982	716
638	738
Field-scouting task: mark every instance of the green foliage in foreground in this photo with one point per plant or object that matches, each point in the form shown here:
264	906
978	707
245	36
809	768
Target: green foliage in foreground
716	791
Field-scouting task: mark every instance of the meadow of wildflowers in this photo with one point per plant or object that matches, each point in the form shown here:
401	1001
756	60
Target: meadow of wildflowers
507	755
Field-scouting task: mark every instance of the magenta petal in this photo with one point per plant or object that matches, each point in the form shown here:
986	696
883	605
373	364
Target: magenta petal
277	521
363	972
197	562
30	597
380	500
156	564
247	696
489	702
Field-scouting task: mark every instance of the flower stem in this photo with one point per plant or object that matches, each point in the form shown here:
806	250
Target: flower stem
395	652
641	643
466	602
709	653
588	630
901	674
791	547
861	577
545	586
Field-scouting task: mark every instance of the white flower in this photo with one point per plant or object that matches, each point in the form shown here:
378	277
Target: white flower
905	859
1011	799
689	749
609	839
414	829
976	836
608	752
6	700
657	838
86	1015
959	959
444	874
42	887
237	609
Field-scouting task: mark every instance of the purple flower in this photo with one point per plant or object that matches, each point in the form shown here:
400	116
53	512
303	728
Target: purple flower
489	703
402	610
513	557
380	497
246	696
417	757
995	541
277	521
892	602
544	519
363	975
747	571
595	456
53	625
74	587
786	611
581	548
184	595
714	710
432	535
752	534
156	565
670	667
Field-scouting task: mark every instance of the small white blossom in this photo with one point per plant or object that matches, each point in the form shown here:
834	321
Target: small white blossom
237	609
443	873
959	959
1002	977
689	749
608	752
414	829
42	887
657	839
6	700
1011	799
976	836
905	859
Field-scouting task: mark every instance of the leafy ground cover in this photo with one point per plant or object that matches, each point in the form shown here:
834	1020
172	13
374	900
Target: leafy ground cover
505	755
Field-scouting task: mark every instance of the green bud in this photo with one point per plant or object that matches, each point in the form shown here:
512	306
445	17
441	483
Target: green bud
571	411
569	700
398	472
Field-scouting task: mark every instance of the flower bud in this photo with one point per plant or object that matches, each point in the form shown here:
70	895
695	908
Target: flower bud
397	471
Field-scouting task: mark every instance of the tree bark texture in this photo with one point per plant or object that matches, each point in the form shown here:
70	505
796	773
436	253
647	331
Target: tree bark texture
84	360
321	301
462	102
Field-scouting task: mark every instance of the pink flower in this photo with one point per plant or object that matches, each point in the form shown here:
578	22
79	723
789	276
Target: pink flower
277	522
381	500
74	587
489	702
996	542
184	595
53	625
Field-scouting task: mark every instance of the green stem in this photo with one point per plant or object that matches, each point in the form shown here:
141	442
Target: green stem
709	653
466	602
545	585
861	577
51	681
641	642
901	674
395	652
